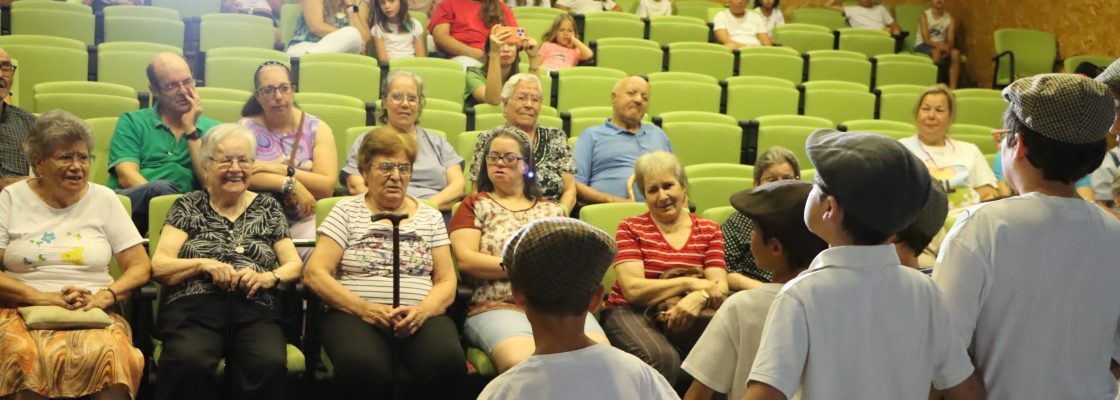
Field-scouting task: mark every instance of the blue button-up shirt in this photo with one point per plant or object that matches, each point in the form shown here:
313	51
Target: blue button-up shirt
605	155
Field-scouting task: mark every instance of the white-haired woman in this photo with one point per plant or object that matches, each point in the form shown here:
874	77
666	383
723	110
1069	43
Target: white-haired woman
555	168
58	234
436	174
665	238
222	254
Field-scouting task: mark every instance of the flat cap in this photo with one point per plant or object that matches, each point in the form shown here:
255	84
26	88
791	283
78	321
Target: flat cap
873	177
558	258
1067	108
1111	76
932	217
779	209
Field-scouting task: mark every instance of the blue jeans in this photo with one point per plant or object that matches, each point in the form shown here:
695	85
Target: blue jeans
142	195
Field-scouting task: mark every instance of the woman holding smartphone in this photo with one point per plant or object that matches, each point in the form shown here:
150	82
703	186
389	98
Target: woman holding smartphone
502	60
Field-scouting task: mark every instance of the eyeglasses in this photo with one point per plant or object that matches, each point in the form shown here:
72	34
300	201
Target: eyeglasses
8	69
174	87
1000	135
507	158
71	158
283	88
522	98
401	98
770	179
386	168
227	163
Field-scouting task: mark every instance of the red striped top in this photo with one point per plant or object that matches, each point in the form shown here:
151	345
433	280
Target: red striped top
639	240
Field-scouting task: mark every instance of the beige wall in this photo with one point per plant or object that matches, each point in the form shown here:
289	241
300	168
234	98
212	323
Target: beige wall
1081	26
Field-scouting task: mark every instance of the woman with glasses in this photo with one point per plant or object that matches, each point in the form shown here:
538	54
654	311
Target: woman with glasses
351	270
521	106
222	255
775	164
296	155
436	174
508	197
58	234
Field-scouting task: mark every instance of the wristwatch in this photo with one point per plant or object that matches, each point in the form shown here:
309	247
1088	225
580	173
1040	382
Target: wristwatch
193	135
707	297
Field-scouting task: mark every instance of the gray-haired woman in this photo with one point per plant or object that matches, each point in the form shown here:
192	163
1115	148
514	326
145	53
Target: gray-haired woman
436	175
775	164
218	256
58	234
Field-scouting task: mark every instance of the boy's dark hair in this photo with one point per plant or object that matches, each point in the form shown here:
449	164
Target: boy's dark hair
1059	161
798	250
914	239
861	234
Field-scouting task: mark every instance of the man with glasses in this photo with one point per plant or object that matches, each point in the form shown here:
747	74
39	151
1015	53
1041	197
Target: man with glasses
15	124
154	151
605	154
1030	281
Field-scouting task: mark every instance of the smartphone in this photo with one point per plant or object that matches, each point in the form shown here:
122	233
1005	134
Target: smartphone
517	33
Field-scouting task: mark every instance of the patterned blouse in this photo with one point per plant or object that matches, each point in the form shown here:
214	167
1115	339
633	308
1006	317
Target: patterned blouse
552	157
303	32
277	147
244	243
479	211
737	238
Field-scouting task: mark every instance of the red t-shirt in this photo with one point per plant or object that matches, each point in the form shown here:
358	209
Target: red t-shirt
465	19
639	240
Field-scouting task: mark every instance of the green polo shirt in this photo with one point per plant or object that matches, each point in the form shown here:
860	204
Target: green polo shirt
142	137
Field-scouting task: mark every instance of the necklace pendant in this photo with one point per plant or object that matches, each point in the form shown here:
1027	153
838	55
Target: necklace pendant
239	249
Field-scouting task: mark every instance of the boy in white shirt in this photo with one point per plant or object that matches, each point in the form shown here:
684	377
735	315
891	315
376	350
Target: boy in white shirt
1030	281
857	324
917	245
555	268
721	360
867	15
735	27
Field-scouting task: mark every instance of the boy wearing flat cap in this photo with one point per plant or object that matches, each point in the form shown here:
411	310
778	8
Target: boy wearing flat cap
782	245
555	268
857	324
1031	281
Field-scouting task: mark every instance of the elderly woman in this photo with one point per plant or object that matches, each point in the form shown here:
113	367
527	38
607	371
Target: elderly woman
331	26
436	173
222	254
665	238
959	165
521	105
295	151
775	164
58	234
501	61
508	198
351	270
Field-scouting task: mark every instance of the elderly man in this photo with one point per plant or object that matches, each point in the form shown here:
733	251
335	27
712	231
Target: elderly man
1030	281
605	154
15	124
154	150
552	158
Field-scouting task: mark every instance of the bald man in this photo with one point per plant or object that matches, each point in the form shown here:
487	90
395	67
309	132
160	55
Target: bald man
15	125
154	151
605	154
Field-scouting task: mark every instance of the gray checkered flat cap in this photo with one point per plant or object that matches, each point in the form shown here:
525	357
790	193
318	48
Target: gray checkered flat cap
1111	76
557	258
932	217
1064	107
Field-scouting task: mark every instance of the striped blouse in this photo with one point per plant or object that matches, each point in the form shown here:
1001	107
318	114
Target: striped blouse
639	240
367	251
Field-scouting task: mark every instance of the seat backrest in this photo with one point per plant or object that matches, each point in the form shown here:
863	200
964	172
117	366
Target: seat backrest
451	123
591	71
827	18
85	105
846	54
834	85
697	116
86	87
217	33
696	9
232	72
682	76
536	11
718	64
985	143
794	26
901	88
220	110
581	91
898	106
142	12
981	111
1035	52
103	129
704	142
788	136
786	67
424	62
669	31
839	105
839	69
878	125
719	215
440	83
708	193
759	81
632	42
969	129
631	60
894	73
329	99
193	8
868	45
607	216
65	24
683	96
1070	64
158	208
358	80
851	31
919	59
227	94
747	102
143	29
804	41
907	16
719	170
339	118
794	120
602	25
289	18
970	93
785	51
68	6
